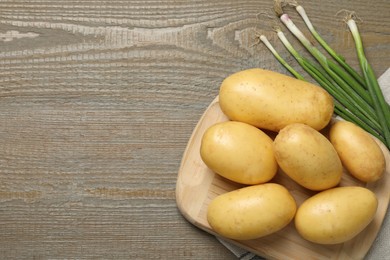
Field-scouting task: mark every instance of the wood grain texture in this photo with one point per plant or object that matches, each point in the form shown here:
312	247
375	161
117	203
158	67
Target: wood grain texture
98	100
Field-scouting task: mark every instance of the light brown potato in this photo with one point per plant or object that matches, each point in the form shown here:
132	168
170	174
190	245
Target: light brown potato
239	152
359	153
251	212
307	157
270	100
336	215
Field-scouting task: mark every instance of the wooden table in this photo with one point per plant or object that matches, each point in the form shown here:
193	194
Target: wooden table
98	100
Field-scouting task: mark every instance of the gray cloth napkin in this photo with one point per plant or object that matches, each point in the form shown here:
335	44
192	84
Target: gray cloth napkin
380	248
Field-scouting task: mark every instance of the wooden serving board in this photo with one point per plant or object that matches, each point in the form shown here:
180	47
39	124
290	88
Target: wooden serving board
197	186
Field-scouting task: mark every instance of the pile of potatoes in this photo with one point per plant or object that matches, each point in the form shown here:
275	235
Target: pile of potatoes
259	102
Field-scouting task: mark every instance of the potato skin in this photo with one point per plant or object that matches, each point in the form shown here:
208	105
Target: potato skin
336	215
270	100
251	212
307	157
239	152
359	153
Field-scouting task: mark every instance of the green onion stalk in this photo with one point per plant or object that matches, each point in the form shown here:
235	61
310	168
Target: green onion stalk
264	39
326	46
359	79
380	105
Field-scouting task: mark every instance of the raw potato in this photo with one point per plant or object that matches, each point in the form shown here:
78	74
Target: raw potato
336	215
270	100
307	157
359	153
251	212
239	152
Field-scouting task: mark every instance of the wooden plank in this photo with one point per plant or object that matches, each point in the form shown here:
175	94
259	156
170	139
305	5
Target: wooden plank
97	102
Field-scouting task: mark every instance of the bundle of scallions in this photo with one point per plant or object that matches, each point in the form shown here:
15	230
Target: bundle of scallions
358	98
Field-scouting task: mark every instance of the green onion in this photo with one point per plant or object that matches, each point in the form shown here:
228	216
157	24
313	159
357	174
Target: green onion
357	79
380	105
279	58
323	43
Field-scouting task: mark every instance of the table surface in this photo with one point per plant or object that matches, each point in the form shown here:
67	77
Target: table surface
99	98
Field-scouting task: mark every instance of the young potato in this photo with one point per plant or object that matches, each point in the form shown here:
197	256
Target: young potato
336	215
251	212
239	152
307	157
358	151
270	100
